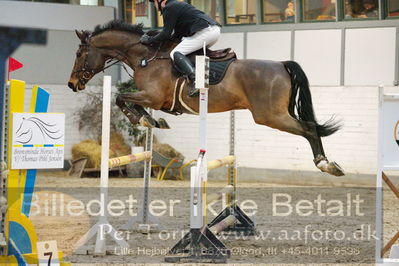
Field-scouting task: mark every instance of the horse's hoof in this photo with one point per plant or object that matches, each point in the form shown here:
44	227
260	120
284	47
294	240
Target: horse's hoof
147	122
329	167
335	169
163	124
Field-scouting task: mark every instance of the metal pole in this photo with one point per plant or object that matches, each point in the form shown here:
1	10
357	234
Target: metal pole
3	59
5	51
380	169
145	222
233	168
147	172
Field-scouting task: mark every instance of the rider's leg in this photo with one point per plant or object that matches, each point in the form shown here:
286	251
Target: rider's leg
184	65
209	36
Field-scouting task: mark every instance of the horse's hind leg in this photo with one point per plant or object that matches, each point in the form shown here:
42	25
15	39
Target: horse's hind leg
285	122
320	158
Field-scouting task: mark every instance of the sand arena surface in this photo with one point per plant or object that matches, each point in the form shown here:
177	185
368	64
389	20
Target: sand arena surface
68	229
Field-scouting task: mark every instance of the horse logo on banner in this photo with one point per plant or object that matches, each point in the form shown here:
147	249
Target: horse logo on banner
33	127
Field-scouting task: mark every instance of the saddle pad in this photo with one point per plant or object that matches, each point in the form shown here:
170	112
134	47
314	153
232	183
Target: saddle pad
216	73
218	70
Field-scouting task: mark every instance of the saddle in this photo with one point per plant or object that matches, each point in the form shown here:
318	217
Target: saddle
220	61
216	55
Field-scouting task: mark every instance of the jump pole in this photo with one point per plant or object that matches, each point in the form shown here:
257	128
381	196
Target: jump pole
200	244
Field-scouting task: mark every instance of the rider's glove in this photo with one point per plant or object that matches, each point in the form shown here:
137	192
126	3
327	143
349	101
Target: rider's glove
145	39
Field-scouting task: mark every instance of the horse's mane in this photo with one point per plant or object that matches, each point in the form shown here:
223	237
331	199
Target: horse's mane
118	25
133	28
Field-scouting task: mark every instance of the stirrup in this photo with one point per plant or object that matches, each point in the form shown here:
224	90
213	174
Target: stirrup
192	90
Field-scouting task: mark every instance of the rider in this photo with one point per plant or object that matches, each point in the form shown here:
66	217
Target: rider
192	25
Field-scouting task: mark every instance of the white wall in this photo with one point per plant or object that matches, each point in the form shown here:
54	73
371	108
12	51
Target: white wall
272	45
319	54
370	56
184	134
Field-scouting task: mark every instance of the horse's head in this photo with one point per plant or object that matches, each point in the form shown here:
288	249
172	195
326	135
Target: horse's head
115	40
89	61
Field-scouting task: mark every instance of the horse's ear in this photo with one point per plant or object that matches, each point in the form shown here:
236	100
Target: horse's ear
81	35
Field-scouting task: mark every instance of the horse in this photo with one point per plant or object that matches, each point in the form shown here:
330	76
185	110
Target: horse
276	93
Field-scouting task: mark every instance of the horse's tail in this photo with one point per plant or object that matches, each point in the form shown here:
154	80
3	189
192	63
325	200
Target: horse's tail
302	104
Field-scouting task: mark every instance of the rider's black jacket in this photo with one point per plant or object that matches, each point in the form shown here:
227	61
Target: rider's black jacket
182	18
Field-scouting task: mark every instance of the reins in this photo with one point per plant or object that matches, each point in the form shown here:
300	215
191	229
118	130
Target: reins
124	56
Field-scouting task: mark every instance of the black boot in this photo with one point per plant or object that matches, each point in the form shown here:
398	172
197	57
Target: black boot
187	69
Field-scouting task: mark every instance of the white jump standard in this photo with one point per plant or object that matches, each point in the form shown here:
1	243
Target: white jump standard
102	227
201	245
388	160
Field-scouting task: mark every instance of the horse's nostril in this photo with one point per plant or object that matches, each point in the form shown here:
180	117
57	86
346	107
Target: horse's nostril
70	85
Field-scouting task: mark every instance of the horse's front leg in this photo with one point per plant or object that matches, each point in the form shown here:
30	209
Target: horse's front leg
136	113
129	111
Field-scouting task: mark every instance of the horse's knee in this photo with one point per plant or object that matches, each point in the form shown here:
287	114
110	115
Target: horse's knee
262	120
310	130
119	101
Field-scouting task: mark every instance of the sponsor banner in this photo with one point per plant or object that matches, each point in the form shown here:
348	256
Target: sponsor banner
38	141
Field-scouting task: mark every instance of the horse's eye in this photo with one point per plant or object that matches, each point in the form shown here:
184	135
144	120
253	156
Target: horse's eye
78	54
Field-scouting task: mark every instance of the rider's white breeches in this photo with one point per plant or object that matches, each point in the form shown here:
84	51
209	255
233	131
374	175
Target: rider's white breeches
193	43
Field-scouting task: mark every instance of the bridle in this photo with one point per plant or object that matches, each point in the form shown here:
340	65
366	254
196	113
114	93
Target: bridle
89	73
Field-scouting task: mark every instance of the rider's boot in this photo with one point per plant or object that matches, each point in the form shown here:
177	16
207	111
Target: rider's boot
187	69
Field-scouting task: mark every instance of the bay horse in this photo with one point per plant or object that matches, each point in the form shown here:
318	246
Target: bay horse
276	93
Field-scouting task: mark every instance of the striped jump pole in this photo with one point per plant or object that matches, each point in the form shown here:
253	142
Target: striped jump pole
128	159
222	225
227	190
228	160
